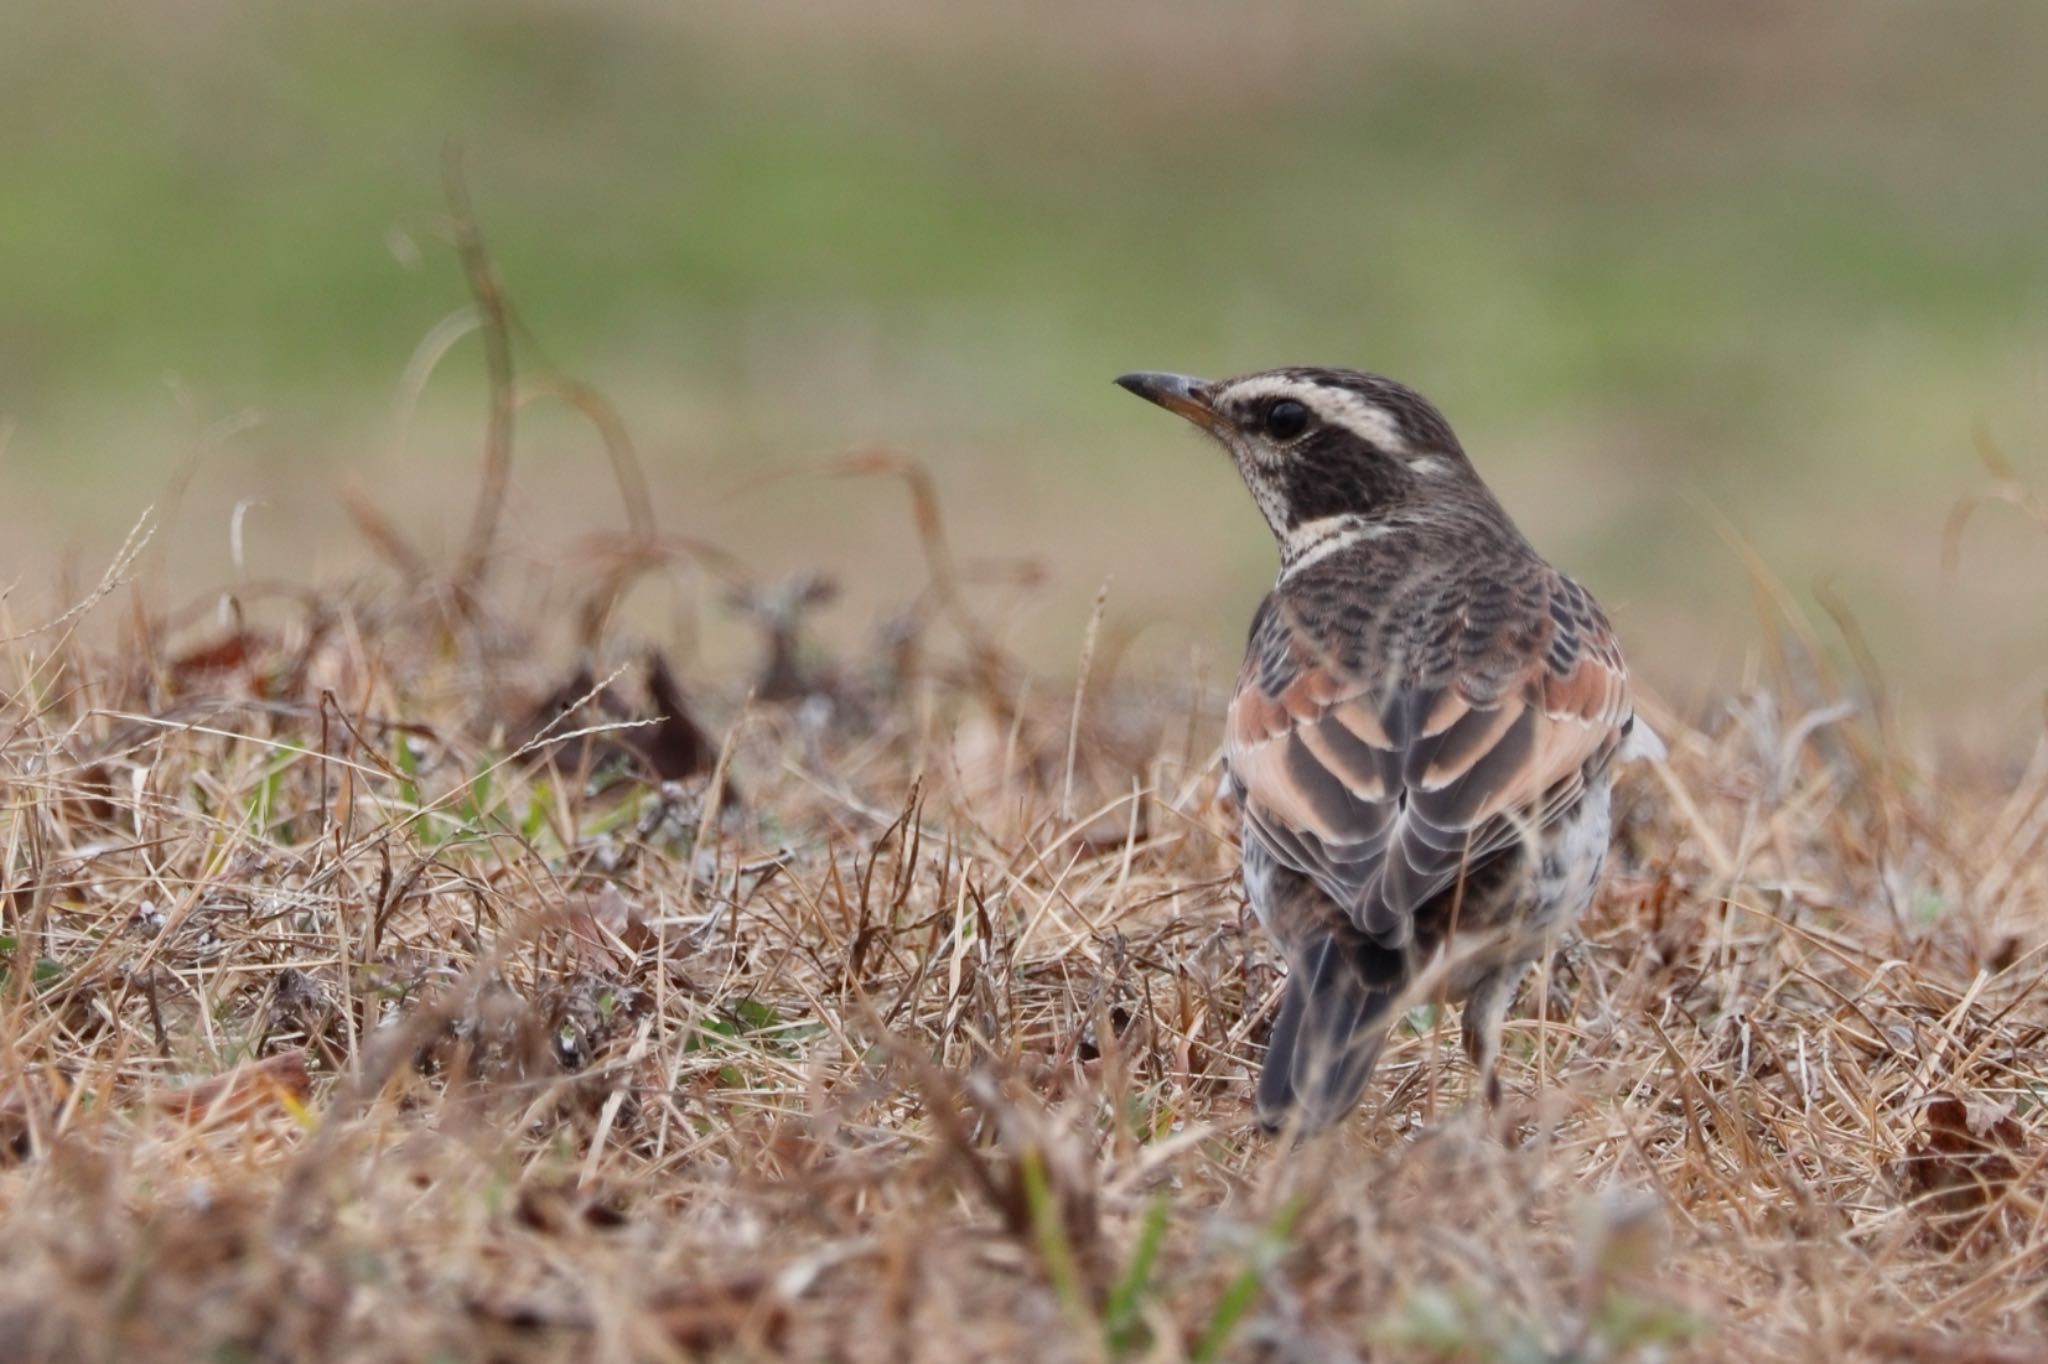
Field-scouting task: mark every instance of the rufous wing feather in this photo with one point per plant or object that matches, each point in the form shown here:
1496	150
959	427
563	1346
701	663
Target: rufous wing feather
1387	789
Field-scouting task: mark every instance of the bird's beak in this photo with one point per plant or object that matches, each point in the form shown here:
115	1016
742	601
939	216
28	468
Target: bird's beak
1177	393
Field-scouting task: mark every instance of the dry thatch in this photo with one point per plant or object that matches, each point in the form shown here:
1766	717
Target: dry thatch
370	991
358	1004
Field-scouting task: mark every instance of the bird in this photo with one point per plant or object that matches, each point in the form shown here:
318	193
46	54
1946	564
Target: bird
1423	737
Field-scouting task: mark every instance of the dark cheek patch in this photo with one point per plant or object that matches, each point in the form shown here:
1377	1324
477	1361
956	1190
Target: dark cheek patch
1334	472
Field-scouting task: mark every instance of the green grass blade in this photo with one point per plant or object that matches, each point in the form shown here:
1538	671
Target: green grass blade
1120	1317
1049	1232
1244	1289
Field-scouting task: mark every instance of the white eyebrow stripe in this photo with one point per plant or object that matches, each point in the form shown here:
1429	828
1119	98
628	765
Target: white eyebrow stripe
1337	406
1430	465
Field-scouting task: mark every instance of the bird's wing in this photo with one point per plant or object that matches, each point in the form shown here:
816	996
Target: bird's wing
1385	788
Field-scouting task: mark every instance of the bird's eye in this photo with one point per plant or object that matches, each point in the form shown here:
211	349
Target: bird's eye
1286	419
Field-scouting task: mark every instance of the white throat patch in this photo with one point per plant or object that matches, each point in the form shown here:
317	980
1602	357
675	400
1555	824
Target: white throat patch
1313	541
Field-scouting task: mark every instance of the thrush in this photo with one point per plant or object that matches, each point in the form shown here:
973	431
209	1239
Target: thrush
1423	734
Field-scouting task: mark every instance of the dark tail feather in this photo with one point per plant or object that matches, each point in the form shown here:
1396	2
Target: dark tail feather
1325	1041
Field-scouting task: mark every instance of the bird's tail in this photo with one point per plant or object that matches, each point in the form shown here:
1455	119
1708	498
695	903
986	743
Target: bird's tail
1326	1040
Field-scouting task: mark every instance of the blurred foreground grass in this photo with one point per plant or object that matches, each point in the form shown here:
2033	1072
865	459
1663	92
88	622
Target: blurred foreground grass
1660	266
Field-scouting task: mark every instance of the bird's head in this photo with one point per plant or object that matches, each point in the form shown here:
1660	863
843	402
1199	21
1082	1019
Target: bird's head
1321	446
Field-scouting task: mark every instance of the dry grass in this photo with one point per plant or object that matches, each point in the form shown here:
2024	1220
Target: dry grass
372	992
335	1028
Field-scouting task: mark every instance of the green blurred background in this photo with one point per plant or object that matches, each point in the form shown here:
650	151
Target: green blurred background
1663	265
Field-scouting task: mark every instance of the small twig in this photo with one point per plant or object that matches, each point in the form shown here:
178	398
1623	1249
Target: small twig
1080	694
618	446
111	580
983	655
489	295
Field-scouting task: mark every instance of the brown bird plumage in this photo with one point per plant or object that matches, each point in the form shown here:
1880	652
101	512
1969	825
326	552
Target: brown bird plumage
1423	732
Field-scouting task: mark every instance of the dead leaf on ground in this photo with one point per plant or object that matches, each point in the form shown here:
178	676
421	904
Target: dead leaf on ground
722	1313
275	1082
606	931
1963	1162
677	747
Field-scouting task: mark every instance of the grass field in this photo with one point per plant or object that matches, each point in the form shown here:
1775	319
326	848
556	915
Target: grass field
378	986
742	876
